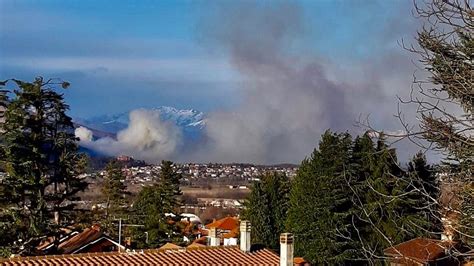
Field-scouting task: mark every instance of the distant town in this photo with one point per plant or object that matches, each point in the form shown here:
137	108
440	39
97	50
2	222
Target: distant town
221	186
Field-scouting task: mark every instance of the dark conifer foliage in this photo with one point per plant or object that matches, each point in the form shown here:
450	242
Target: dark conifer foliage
170	181
157	207
320	203
41	159
351	199
266	209
114	192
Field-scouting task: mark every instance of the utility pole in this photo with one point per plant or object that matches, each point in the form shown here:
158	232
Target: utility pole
127	225
120	232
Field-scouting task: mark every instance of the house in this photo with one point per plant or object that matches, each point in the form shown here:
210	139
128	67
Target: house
421	251
245	254
91	239
225	225
226	229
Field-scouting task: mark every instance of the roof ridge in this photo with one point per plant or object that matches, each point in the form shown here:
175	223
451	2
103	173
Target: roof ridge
228	255
101	254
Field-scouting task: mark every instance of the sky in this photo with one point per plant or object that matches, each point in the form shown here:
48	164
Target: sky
271	75
121	55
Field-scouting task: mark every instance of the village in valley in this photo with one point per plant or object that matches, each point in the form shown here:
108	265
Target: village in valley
203	184
331	132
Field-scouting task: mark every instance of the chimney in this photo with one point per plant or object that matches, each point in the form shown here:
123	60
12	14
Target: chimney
286	249
213	236
245	228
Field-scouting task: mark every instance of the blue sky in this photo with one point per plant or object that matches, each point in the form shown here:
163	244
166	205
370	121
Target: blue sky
121	55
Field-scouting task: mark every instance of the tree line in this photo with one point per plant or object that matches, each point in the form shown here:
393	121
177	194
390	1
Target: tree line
351	198
42	168
349	201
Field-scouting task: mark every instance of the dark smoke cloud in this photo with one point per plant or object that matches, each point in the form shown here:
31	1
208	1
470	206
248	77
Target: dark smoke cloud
291	97
290	93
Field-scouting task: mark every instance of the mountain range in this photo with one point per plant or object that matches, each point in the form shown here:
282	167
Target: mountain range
190	121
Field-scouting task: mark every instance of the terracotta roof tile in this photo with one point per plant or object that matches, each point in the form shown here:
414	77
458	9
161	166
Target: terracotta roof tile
77	241
419	250
223	255
299	260
227	223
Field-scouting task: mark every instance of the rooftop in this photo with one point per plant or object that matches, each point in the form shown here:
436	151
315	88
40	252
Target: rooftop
421	250
227	223
222	255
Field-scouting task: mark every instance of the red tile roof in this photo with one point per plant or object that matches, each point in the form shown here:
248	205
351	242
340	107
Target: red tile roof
420	250
85	240
223	255
227	223
299	260
81	239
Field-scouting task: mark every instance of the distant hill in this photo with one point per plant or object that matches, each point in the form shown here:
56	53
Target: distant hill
190	121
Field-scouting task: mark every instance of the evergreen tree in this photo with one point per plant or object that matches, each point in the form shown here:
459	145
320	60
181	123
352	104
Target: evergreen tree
420	186
362	167
378	205
170	184
113	191
320	210
392	205
157	207
266	208
42	163
258	212
351	200
151	210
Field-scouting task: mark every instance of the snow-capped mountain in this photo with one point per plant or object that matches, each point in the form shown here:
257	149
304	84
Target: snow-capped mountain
189	120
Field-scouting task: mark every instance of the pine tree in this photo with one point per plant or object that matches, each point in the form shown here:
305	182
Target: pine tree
320	208
258	212
266	208
150	209
350	200
421	190
114	192
41	159
392	204
158	206
363	164
170	183
378	209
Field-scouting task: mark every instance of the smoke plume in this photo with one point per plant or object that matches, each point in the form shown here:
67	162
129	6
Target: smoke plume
290	93
289	97
147	137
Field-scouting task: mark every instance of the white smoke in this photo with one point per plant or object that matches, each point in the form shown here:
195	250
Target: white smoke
84	134
147	137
